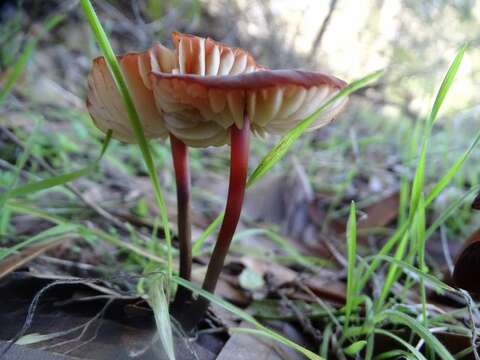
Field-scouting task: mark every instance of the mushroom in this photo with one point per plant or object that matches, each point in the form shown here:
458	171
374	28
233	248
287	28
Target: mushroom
192	55
208	94
233	106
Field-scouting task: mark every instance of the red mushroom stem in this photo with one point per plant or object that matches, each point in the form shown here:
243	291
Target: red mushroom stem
182	177
239	149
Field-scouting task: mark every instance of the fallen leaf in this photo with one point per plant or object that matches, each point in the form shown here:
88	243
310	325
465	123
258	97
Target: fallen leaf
19	259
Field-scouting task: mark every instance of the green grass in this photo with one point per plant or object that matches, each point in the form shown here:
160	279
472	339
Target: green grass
402	263
352	274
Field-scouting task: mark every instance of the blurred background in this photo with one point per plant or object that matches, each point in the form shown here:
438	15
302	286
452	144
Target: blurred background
362	156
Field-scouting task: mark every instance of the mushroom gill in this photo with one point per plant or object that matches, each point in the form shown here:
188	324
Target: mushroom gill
207	57
274	101
105	103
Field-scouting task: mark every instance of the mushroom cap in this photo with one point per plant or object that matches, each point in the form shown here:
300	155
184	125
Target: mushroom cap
201	88
192	55
106	106
200	109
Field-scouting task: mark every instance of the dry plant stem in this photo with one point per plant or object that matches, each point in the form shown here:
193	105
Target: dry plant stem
182	177
239	141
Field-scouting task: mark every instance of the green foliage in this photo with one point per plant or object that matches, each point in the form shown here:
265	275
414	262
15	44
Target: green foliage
60	179
351	266
26	53
403	254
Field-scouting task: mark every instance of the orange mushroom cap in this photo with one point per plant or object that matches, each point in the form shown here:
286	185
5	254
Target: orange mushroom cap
200	109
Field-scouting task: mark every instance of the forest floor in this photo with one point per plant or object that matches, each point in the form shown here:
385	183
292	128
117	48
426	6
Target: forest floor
77	260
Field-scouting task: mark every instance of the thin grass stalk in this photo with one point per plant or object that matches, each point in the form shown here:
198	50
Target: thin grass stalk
352	253
133	118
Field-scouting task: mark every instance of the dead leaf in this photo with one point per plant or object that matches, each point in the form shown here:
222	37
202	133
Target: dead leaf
19	259
380	213
278	273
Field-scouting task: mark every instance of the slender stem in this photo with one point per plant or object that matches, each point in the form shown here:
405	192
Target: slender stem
182	177
236	190
239	140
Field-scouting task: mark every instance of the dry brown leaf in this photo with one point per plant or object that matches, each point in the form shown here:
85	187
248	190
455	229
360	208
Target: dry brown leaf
15	261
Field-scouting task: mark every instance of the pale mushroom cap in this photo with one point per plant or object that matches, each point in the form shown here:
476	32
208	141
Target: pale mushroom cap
106	105
274	101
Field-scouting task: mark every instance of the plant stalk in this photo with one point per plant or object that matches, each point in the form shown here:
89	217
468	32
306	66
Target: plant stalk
182	178
239	149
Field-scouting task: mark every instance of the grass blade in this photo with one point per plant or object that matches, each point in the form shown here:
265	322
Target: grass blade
418	355
447	83
418	182
420	240
27	51
133	117
449	211
447	178
86	231
412	270
60	179
44	235
419	329
197	244
352	253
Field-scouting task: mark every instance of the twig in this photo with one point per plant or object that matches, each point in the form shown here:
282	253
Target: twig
323	29
302	319
446	250
32	309
98	316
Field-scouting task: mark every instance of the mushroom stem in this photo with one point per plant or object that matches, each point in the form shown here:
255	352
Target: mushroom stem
239	141
182	177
